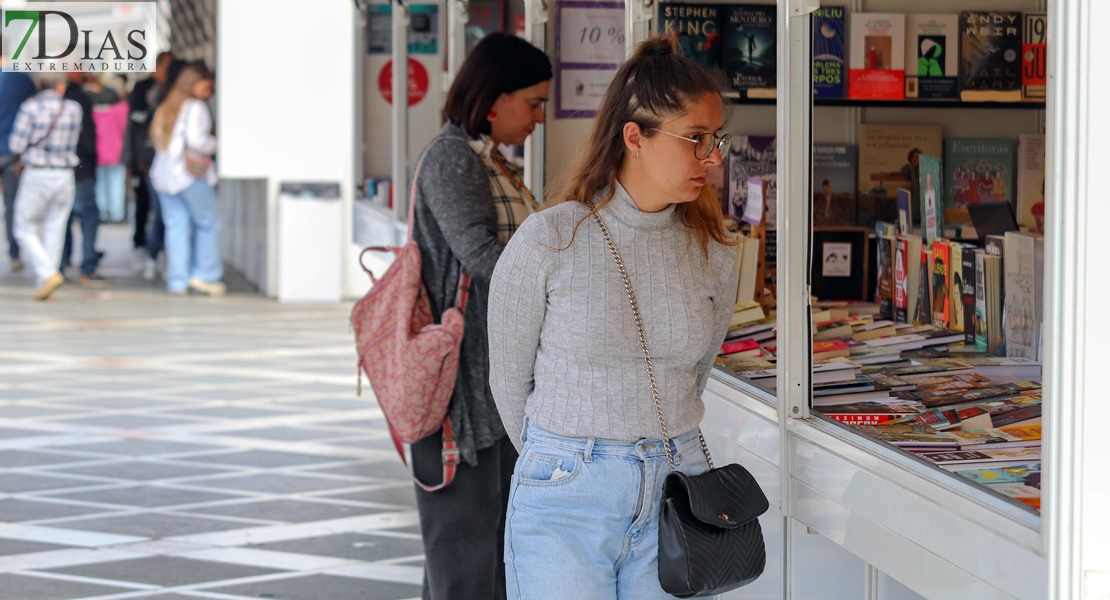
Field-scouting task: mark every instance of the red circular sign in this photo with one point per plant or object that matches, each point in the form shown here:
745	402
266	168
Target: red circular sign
418	82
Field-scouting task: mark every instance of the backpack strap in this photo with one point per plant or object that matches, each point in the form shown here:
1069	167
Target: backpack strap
449	453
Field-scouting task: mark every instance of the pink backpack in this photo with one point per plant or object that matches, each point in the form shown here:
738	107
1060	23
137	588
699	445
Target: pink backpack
411	361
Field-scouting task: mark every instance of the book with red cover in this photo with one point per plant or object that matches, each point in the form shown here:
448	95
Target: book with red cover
745	345
940	283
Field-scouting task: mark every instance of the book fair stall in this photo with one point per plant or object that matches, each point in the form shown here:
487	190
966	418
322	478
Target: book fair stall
906	370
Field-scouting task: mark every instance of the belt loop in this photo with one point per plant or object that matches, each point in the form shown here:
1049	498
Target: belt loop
589	456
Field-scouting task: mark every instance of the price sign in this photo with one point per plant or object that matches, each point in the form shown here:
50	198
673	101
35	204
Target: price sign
591	33
589	46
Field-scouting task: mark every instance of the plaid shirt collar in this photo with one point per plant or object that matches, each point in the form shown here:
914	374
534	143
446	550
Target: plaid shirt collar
513	200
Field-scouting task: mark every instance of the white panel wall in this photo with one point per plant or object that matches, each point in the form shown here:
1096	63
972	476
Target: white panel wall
287	97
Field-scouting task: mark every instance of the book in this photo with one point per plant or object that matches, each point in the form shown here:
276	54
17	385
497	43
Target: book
932	56
746	312
932	197
998	437
884	292
744	364
826	349
749	52
697	28
978	170
742	347
980	303
1030	181
903	199
873	333
746	287
749	156
923	314
877	56
886	160
829	44
967	284
834	183
984	458
1024	299
998	366
1015	474
939	284
939	337
868	413
1026	494
755	207
956	315
910	437
990	56
910	249
994	290
1034	55
830	330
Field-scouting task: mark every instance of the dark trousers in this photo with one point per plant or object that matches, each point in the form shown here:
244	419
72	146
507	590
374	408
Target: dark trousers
463	525
140	184
87	216
10	180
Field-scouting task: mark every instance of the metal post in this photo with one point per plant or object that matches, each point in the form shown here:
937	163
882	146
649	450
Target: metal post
794	116
637	26
400	109
457	18
535	31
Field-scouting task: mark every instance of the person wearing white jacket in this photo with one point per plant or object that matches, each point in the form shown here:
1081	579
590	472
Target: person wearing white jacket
184	176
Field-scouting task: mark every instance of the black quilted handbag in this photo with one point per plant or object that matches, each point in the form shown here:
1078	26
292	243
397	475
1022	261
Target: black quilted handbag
710	541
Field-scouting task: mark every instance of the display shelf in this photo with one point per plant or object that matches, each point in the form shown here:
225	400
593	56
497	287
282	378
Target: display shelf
734	98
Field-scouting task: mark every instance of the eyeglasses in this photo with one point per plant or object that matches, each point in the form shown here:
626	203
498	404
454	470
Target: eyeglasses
704	143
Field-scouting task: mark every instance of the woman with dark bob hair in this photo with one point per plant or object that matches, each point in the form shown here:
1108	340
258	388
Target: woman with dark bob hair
565	347
469	201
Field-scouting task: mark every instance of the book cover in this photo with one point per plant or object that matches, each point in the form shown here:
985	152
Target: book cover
967	285
755	207
829	43
1030	181
956	287
939	284
932	212
978	170
749	156
994	291
1034	55
932	56
889	158
904	200
884	290
877	57
749	53
924	313
697	28
980	303
834	183
990	56
910	248
742	347
901	289
1024	285
1016	474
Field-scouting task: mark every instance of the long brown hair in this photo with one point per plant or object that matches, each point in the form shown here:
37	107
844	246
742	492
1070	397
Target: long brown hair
161	126
656	83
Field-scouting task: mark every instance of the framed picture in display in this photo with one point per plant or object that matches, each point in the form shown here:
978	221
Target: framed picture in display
839	269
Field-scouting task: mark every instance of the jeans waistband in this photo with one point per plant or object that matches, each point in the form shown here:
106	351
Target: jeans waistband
682	443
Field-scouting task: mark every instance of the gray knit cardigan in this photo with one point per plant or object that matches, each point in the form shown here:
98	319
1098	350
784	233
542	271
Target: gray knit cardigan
456	229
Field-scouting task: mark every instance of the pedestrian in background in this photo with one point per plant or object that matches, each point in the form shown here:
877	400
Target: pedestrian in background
110	114
142	101
85	212
45	132
15	88
184	177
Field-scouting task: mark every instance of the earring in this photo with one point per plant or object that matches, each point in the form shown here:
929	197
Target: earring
492	115
635	155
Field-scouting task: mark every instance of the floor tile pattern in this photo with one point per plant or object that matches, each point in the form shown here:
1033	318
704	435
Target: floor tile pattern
173	448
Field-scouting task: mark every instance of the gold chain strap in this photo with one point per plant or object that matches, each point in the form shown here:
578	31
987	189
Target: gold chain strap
644	346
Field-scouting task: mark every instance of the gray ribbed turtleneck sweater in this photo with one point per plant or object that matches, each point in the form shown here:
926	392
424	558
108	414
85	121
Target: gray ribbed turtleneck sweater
564	349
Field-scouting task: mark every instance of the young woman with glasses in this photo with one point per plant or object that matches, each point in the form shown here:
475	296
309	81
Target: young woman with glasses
469	199
567	370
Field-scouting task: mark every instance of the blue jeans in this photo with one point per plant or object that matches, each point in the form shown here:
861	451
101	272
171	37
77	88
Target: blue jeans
87	216
583	517
110	183
154	233
192	236
10	180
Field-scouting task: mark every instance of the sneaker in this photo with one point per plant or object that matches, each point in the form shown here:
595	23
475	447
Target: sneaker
94	280
149	269
17	265
138	260
52	283
209	288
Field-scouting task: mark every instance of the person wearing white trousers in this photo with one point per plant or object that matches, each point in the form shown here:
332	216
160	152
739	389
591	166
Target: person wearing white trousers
45	133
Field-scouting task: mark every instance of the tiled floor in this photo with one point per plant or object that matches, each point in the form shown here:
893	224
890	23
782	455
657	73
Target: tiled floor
168	448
